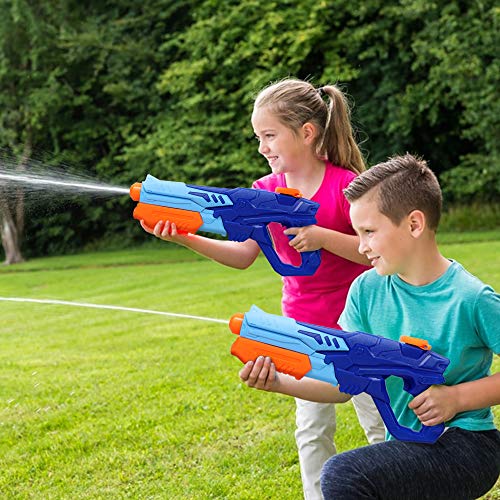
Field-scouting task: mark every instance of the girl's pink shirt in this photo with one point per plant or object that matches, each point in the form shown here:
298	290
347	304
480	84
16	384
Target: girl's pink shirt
318	299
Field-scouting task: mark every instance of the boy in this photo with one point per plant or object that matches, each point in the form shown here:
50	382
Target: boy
413	290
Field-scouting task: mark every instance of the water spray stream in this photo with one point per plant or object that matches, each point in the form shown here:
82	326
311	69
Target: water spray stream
44	182
36	179
116	308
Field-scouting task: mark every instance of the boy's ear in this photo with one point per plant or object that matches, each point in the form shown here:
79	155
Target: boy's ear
417	222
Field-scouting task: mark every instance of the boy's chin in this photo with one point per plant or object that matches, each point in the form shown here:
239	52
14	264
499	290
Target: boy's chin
382	272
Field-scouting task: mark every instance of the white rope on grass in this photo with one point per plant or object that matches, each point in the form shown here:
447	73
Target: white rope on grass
117	308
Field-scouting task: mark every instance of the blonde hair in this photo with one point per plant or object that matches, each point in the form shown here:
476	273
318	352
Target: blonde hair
295	102
401	184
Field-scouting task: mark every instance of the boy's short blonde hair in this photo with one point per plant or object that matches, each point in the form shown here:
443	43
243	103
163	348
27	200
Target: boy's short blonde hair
403	184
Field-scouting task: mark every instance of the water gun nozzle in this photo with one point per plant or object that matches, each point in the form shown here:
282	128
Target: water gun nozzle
135	191
235	323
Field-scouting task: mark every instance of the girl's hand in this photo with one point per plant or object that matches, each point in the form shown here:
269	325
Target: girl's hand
260	374
435	405
166	231
307	238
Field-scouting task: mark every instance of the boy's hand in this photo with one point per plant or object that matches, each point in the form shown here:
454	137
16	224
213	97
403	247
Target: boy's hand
307	238
260	374
435	405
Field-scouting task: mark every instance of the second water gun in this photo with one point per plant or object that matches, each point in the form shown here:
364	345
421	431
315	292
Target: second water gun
239	214
355	361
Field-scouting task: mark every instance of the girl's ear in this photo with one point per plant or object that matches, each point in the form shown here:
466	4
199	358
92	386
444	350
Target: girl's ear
417	222
309	132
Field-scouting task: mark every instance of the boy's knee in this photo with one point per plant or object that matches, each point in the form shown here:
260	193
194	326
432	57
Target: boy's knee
340	478
335	478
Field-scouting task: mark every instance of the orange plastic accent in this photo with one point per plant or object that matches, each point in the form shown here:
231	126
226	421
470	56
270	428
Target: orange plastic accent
423	344
186	221
289	191
293	363
235	323
135	191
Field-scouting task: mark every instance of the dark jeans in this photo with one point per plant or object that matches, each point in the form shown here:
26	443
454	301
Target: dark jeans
461	465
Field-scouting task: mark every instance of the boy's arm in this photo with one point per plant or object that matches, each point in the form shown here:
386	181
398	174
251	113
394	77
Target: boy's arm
262	375
441	403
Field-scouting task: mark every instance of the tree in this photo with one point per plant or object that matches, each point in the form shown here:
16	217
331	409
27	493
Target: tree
12	214
79	77
31	92
216	65
428	84
120	89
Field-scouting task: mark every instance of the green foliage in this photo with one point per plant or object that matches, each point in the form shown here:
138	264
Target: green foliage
166	87
476	179
107	404
428	82
472	217
224	58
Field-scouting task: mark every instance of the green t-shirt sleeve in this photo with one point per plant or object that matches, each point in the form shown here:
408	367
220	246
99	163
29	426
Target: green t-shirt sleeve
351	319
487	318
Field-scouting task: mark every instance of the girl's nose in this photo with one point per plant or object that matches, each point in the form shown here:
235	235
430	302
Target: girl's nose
263	148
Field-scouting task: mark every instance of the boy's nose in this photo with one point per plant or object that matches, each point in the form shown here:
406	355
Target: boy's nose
362	247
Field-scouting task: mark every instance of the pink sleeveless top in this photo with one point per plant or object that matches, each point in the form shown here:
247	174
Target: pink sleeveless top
318	299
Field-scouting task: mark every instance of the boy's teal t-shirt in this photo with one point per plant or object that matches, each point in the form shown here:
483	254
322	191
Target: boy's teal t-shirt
457	314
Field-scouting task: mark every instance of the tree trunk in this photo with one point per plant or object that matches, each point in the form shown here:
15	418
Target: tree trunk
12	215
10	239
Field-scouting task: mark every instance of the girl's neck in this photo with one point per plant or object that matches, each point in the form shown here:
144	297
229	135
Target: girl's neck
308	178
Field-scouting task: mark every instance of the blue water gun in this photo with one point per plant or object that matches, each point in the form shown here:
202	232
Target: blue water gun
239	214
355	361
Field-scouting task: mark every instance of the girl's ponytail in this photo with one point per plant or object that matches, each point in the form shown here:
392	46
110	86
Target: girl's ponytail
338	143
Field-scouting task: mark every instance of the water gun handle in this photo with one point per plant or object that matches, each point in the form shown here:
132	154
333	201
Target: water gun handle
310	261
427	434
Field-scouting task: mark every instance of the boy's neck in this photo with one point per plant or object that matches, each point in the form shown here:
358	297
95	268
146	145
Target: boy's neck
426	266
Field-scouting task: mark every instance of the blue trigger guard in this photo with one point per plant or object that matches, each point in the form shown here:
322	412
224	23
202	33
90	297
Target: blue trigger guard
310	260
427	434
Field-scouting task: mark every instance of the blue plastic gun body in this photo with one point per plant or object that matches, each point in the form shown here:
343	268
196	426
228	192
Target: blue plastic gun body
239	214
355	361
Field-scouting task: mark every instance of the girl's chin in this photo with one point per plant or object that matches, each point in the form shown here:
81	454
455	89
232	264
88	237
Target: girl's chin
278	169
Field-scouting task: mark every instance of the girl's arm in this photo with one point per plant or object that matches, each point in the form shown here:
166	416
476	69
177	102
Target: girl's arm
239	255
440	403
261	374
311	238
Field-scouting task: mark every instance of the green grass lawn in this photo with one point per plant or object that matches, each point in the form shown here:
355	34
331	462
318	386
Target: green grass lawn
104	404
